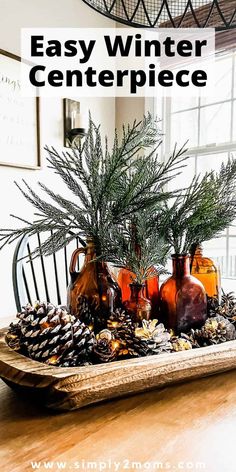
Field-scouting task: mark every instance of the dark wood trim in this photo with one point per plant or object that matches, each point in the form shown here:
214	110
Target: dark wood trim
38	164
209	15
225	40
10	54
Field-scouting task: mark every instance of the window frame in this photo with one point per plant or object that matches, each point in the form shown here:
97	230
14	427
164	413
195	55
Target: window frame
197	151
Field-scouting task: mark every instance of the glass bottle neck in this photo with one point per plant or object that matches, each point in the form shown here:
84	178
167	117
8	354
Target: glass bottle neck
199	251
90	251
180	265
91	255
136	291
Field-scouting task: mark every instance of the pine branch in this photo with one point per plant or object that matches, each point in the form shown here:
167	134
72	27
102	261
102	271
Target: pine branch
202	211
93	178
134	246
140	189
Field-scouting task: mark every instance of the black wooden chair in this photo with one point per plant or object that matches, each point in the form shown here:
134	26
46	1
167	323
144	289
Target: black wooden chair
43	278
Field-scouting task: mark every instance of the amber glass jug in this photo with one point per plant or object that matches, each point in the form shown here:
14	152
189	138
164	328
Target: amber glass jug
95	284
205	270
138	306
151	288
183	303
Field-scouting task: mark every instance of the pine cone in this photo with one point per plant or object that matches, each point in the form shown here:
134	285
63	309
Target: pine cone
228	298
119	320
121	325
152	338
122	328
106	348
84	312
148	340
216	330
226	308
50	334
13	337
181	343
212	305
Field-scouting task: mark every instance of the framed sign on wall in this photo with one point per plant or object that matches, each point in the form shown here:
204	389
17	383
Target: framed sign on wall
19	118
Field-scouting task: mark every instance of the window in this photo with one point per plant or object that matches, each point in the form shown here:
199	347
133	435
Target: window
209	125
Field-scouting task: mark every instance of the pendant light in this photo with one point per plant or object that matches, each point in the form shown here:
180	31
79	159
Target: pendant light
219	14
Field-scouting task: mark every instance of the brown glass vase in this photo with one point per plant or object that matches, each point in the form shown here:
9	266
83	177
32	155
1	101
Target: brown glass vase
205	270
138	306
151	289
94	284
183	303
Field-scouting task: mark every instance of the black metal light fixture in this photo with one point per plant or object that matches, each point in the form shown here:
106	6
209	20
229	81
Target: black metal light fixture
219	14
74	127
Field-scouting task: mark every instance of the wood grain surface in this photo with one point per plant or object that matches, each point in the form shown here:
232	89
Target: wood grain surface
185	424
71	388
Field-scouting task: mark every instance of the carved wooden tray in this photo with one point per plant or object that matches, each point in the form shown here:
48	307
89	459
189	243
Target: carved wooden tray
71	388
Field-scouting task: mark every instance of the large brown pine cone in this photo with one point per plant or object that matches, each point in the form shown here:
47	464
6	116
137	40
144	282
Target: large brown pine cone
84	312
50	334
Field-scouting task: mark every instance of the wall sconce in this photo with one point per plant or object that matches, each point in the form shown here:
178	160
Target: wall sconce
74	123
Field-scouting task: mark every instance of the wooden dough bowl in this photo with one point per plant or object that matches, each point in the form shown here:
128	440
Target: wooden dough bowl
71	388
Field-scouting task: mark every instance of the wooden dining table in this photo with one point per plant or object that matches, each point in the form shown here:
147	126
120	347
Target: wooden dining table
190	426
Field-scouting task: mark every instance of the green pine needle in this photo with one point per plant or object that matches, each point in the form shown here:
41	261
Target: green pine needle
104	187
202	211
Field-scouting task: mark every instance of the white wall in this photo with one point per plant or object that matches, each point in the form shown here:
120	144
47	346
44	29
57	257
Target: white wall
15	14
129	109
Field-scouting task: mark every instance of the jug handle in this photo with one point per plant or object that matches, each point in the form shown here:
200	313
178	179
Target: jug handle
74	258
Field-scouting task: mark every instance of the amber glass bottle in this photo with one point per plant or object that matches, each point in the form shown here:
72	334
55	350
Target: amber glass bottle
205	270
94	283
151	288
183	302
138	306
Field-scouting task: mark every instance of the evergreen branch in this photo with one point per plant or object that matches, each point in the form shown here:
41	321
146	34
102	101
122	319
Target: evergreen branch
202	211
70	182
46	208
138	249
70	207
56	241
142	189
106	188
